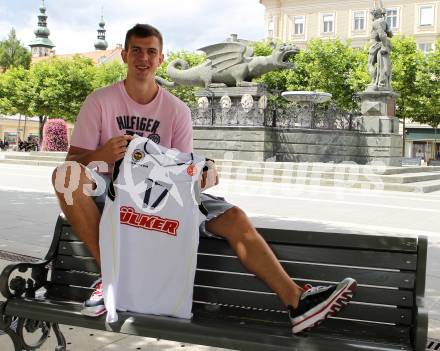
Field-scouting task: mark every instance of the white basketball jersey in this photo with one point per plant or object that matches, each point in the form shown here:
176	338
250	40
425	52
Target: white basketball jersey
149	231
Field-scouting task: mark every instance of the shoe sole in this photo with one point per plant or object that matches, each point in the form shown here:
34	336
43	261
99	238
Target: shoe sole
331	306
95	311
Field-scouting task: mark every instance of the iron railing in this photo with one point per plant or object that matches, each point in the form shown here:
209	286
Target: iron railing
289	116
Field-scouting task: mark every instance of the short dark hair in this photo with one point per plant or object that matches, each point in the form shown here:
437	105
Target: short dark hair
143	31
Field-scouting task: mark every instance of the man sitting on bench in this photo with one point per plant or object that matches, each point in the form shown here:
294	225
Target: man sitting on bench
138	105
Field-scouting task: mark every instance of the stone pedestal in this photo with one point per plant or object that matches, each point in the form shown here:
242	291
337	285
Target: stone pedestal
240	106
378	110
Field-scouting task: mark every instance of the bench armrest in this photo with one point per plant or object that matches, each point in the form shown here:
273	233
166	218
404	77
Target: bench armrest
18	285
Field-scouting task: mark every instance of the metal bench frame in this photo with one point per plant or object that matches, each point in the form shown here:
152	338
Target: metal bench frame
232	308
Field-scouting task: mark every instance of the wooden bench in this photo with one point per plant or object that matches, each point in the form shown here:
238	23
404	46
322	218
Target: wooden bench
411	161
434	163
233	309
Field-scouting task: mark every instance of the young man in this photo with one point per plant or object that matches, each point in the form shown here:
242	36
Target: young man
138	105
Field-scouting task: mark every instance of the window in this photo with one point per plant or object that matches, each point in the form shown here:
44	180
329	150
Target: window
270	28
425	47
327	21
298	25
393	18
359	20
426	15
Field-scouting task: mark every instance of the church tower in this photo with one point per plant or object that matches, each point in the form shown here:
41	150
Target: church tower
100	42
41	45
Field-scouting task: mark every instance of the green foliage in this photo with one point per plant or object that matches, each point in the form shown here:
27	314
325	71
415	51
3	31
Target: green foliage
329	66
109	73
61	86
12	53
16	92
56	88
263	48
186	94
406	61
428	86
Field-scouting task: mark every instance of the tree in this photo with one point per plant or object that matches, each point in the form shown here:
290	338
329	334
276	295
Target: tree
109	73
407	62
16	92
428	85
12	53
186	94
61	86
326	65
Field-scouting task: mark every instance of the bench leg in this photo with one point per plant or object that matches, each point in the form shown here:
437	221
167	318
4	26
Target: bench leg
8	326
60	337
16	327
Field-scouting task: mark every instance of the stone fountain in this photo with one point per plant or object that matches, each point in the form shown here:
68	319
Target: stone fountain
306	100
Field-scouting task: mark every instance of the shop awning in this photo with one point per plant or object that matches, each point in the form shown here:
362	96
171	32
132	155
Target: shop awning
423	134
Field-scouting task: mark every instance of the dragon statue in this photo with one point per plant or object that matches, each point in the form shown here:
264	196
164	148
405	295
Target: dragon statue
228	64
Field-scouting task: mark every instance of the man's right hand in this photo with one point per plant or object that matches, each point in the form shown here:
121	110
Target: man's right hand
114	149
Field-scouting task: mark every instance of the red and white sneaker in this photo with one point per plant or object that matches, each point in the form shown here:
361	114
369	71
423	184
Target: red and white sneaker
319	302
94	306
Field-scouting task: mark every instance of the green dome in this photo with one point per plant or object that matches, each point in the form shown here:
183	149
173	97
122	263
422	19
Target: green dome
101	44
42	32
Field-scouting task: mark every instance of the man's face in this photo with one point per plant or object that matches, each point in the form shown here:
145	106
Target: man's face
143	57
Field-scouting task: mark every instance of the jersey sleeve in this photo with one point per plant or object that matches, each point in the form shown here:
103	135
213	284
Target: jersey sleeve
182	138
87	129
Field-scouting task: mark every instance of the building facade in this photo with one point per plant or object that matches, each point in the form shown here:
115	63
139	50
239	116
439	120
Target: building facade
422	140
298	21
14	128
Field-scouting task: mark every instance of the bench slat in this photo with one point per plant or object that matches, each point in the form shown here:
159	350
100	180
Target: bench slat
296	270
374	242
375	313
67	233
398	334
317	272
71	293
83	264
73	248
81	279
359	258
249	282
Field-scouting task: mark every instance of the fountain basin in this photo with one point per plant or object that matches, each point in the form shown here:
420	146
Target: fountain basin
314	97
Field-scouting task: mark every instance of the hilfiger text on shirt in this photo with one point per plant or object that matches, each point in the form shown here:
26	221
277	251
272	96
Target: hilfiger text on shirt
144	124
129	216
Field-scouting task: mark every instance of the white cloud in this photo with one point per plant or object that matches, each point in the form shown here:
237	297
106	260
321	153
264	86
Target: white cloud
185	24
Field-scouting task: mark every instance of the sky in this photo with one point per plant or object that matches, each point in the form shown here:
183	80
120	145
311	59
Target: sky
185	24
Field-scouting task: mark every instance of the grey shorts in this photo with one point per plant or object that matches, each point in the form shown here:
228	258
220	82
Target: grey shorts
215	205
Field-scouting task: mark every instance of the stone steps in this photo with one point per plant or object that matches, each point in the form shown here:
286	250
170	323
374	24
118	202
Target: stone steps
28	157
376	177
425	186
268	173
328	167
48	153
31	162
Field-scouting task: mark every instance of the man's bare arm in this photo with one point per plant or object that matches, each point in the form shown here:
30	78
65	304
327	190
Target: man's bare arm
113	150
83	156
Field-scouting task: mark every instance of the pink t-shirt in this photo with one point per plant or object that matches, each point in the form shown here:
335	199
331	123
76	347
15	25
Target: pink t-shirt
110	112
